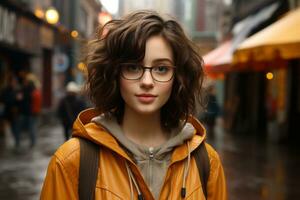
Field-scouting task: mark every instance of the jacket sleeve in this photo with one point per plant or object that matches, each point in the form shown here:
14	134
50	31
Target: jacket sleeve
216	186
58	184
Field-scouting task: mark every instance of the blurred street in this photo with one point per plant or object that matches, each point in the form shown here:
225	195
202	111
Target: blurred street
257	169
254	169
251	60
22	173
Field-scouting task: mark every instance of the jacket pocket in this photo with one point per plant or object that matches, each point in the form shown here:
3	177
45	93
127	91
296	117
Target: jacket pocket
104	193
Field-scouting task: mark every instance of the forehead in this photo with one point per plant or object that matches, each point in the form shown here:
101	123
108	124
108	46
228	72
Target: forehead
157	48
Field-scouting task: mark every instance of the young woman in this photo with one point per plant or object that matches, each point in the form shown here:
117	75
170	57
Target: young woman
144	77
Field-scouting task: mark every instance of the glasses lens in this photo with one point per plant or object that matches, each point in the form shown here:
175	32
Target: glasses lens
163	73
131	71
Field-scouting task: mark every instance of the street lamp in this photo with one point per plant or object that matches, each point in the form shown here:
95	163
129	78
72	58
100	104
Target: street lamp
104	17
269	75
52	16
74	34
39	13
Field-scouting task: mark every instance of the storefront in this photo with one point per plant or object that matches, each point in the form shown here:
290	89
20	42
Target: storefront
26	44
19	42
274	52
243	88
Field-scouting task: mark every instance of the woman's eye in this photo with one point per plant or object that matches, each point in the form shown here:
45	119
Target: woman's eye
161	69
133	68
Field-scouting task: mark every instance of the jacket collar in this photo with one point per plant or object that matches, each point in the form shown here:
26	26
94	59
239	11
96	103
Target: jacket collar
84	128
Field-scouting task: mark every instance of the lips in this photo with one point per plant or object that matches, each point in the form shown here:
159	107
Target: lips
146	98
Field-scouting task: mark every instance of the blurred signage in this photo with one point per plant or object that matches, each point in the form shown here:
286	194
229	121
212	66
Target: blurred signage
276	97
281	87
47	37
7	25
60	62
27	35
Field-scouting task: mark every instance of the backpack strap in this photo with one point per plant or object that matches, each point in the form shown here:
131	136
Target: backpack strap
202	160
88	170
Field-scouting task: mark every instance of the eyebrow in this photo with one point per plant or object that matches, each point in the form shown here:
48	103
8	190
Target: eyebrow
162	60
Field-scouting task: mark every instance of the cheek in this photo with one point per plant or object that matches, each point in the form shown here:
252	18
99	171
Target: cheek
125	88
167	89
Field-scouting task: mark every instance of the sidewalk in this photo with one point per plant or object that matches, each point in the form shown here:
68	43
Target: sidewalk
258	170
22	174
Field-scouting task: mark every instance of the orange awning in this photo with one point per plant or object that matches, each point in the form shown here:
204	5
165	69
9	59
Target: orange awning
279	41
220	60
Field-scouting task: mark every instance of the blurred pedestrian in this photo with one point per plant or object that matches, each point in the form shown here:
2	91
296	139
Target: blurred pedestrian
11	98
36	95
144	78
30	106
69	107
212	111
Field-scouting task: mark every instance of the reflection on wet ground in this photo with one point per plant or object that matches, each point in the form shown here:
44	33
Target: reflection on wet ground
258	170
255	170
22	172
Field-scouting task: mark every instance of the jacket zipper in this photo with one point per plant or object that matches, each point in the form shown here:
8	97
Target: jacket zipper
151	156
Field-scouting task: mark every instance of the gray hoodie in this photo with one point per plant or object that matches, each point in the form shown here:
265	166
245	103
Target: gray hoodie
153	162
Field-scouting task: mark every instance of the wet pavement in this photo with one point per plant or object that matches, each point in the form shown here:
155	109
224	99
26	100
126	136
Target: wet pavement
22	172
255	170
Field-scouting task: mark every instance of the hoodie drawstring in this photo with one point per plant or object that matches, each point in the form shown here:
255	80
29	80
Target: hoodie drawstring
132	179
185	172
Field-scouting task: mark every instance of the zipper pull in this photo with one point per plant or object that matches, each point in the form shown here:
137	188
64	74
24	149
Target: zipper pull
151	154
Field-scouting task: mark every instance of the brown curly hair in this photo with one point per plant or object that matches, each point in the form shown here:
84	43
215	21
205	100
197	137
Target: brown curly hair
124	40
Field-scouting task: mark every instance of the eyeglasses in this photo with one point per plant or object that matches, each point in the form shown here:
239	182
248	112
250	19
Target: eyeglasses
135	71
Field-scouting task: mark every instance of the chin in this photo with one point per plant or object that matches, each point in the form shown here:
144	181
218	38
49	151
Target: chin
146	110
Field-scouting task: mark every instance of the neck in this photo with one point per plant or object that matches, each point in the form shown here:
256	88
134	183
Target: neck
143	129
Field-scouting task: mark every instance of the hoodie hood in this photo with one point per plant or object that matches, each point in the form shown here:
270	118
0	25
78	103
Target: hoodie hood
152	162
91	125
140	152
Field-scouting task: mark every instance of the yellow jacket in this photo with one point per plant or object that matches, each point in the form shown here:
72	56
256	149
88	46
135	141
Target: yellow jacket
113	181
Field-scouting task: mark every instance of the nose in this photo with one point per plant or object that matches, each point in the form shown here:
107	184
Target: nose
147	80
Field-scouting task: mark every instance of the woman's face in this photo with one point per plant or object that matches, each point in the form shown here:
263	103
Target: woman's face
146	95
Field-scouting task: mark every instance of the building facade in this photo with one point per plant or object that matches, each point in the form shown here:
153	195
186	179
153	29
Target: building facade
263	100
28	42
23	39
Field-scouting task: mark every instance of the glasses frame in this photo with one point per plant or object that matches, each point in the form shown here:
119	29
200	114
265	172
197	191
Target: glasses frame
147	68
